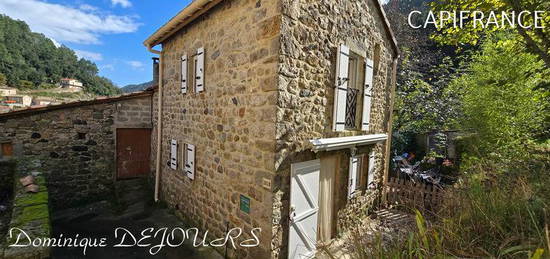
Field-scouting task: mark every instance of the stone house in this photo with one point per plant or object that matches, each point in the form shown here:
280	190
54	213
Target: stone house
70	83
81	147
4	91
17	101
273	115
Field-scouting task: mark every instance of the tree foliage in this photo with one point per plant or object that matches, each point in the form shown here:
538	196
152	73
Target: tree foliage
32	57
3	79
425	70
536	40
499	98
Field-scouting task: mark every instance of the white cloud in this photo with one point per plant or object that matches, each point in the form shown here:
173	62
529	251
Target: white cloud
93	56
110	67
67	24
135	64
87	7
123	3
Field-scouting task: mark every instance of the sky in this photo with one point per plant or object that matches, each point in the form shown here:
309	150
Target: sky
108	32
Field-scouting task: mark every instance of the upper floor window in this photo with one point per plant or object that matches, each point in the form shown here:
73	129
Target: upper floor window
197	67
353	94
354	100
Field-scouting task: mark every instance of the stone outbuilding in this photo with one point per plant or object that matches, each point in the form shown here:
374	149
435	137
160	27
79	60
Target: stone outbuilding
82	147
274	115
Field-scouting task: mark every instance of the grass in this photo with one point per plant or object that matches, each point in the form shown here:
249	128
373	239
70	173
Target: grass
498	210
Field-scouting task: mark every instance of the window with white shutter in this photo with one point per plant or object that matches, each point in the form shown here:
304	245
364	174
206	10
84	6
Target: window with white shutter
370	172
199	70
341	88
190	161
367	93
184	73
174	154
354	175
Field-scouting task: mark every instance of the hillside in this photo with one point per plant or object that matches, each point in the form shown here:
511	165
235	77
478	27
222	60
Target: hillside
30	60
136	87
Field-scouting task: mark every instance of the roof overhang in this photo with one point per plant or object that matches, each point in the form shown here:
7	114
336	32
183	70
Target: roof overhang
184	17
389	31
329	144
199	7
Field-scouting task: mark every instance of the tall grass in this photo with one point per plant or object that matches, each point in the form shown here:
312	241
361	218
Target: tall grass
499	210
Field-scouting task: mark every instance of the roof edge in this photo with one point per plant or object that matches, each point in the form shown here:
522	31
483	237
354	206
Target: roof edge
389	30
101	100
184	17
198	7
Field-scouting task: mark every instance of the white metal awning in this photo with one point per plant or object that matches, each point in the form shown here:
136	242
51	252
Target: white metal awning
329	144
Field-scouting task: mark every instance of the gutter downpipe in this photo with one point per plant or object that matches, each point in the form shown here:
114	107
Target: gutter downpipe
390	125
159	122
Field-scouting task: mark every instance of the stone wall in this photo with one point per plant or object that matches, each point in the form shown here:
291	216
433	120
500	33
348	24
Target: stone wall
231	123
75	146
30	213
310	34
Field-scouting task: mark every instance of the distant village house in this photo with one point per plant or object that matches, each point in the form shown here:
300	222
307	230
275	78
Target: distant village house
17	101
5	91
72	84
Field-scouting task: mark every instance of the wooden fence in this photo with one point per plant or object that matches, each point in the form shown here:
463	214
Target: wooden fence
410	195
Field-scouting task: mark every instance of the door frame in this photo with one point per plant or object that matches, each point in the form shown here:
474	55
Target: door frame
295	167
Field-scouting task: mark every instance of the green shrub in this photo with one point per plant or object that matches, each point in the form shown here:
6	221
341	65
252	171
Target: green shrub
47	86
500	100
24	84
3	79
498	210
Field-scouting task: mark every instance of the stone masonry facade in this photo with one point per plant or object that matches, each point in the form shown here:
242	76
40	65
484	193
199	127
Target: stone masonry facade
269	90
74	147
231	123
310	34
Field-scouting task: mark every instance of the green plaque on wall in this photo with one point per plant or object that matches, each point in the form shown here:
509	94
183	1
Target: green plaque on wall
245	204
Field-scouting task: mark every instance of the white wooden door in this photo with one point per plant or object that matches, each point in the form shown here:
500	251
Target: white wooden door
304	207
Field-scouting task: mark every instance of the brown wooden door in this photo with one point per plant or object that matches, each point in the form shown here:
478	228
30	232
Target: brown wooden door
133	147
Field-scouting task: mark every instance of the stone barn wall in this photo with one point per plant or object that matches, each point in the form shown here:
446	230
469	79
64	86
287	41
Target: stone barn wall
74	144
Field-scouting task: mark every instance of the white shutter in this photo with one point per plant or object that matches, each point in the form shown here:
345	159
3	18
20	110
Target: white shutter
367	94
341	89
174	154
199	71
353	174
184	73
370	177
190	161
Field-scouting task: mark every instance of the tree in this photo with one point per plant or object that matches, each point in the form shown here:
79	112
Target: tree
3	79
499	99
536	40
24	84
32	57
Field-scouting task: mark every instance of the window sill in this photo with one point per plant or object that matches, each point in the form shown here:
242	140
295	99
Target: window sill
329	144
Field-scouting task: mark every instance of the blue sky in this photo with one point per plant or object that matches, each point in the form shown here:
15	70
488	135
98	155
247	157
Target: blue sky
108	32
